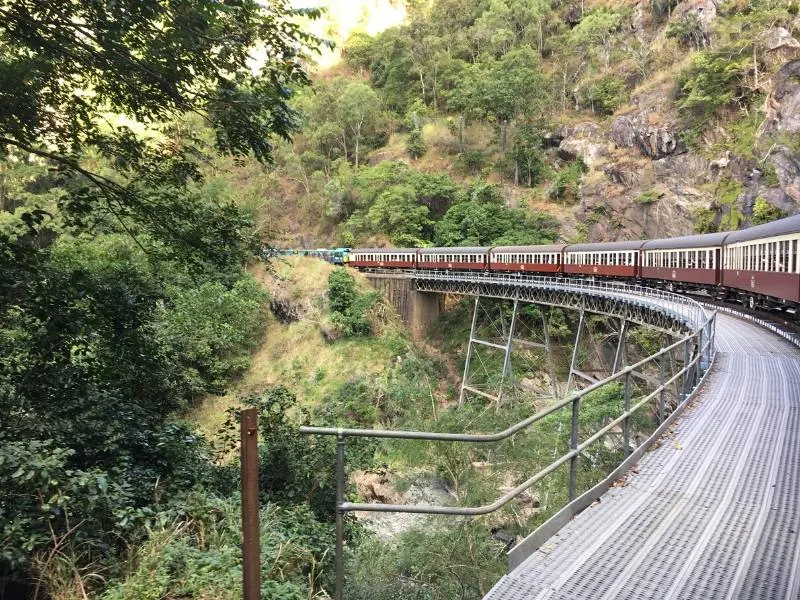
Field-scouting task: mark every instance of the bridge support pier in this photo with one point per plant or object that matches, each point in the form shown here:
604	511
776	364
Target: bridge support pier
424	309
619	356
491	329
418	309
506	345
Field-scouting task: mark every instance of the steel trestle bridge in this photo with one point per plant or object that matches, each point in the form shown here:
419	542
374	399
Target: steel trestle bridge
715	514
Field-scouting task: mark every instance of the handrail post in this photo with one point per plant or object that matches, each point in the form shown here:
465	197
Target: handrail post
626	424
661	387
339	516
685	392
251	562
573	445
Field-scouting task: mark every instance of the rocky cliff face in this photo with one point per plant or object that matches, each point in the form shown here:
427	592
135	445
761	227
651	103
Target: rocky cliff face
781	131
643	180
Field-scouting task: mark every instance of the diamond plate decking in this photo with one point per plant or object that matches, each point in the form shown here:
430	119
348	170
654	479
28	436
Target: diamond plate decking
713	513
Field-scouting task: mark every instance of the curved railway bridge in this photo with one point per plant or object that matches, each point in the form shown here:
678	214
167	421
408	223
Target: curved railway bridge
713	512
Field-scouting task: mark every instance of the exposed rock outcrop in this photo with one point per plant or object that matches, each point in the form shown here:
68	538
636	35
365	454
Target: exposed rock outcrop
654	141
585	141
780	132
781	46
783	103
704	10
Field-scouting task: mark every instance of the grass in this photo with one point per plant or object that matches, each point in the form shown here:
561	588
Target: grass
296	354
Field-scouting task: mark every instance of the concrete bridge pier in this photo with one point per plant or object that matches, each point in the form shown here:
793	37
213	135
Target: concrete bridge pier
418	310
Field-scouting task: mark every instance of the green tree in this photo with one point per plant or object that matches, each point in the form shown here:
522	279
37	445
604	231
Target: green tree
526	152
415	145
711	81
358	50
606	94
359	110
61	73
597	30
122	295
398	214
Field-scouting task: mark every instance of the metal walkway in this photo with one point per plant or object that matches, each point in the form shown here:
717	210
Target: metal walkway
712	513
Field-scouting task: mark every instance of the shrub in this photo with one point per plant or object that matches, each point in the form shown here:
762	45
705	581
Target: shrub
764	212
415	145
471	161
710	82
606	94
566	185
348	306
705	220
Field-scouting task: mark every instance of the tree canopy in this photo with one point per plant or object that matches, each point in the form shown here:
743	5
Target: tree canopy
122	291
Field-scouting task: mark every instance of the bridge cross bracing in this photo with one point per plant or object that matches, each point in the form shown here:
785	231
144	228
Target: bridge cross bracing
714	512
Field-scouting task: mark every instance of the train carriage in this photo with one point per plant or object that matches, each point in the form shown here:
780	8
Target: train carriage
763	260
526	259
454	258
612	259
693	259
396	258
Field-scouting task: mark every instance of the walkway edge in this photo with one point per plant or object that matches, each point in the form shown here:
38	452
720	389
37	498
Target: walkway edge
549	528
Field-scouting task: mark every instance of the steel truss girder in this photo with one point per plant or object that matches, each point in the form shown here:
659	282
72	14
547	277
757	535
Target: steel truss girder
640	313
506	347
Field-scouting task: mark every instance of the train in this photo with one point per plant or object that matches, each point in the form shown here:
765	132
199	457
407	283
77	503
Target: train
758	267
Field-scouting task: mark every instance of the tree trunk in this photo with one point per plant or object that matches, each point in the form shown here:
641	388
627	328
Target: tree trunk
434	87
422	83
358	135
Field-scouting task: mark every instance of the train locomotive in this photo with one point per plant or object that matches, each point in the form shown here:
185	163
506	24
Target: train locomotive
758	267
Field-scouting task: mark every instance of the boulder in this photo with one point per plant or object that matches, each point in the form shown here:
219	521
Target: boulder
376	487
622	174
781	46
787	165
706	11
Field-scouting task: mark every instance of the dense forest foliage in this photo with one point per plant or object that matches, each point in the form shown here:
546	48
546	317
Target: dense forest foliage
151	150
524	94
123	293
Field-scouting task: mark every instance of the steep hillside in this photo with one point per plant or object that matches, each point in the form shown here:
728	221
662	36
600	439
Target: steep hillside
618	119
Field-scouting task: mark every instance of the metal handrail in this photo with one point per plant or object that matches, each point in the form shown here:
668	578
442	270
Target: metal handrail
792	338
703	333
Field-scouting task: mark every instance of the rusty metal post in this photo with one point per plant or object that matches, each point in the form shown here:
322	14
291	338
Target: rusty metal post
251	561
340	476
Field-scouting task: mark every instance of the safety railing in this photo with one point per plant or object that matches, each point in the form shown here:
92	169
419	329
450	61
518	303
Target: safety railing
698	355
789	336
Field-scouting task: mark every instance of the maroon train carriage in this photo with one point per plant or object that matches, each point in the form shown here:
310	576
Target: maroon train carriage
453	258
693	259
612	259
397	258
527	259
764	260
